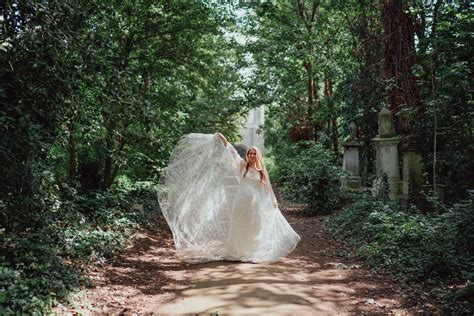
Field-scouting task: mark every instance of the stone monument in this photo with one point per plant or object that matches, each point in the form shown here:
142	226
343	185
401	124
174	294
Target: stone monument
412	177
351	162
250	131
386	149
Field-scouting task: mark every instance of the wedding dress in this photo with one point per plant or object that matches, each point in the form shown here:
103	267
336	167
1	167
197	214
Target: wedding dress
214	212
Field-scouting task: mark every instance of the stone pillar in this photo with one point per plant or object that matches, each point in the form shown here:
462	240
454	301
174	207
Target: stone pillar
412	176
250	131
352	164
441	192
386	143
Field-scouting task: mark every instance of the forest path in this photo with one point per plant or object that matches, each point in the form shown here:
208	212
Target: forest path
313	280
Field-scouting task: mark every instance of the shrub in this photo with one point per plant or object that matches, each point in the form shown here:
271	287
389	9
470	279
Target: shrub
272	168
96	244
312	176
32	274
411	244
35	263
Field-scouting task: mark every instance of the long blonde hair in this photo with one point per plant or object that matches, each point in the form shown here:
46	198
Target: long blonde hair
258	164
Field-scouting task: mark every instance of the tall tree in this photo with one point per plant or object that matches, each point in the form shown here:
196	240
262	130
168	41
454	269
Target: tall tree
399	58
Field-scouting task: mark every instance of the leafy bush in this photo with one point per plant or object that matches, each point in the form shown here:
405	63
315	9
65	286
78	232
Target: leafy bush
37	266
413	245
313	176
122	207
272	167
96	245
33	275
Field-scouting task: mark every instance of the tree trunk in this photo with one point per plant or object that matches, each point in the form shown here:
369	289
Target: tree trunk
399	54
433	91
332	121
309	18
311	100
107	164
72	152
372	70
110	171
111	168
310	82
335	136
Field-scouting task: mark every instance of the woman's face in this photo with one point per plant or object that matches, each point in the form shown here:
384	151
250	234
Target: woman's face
252	156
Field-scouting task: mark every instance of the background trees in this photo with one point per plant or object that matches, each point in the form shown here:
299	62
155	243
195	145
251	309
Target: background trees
92	90
326	67
94	96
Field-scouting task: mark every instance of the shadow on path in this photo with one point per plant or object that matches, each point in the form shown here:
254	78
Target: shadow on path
312	280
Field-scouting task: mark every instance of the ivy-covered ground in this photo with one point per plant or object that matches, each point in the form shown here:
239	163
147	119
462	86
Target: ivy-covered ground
319	277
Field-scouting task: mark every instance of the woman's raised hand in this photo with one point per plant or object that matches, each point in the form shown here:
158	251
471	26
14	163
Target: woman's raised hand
224	140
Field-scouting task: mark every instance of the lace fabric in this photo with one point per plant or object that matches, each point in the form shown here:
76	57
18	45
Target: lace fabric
214	212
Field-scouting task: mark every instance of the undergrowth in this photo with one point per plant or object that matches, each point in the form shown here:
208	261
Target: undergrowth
435	248
43	264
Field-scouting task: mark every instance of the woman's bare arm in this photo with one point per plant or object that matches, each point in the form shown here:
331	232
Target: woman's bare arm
224	140
233	151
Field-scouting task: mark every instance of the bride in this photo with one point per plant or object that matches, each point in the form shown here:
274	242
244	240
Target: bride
221	207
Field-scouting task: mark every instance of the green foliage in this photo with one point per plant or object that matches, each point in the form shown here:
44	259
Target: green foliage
94	96
311	174
76	228
287	52
413	245
448	97
347	45
33	274
94	244
91	93
272	167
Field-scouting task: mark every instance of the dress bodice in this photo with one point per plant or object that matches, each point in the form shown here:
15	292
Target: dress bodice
251	182
252	176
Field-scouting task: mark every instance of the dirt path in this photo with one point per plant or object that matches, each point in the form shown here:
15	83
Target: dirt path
313	280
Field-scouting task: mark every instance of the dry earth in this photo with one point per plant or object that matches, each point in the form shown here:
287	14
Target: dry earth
313	280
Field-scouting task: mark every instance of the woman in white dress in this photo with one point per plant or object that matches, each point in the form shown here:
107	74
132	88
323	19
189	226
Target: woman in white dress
220	207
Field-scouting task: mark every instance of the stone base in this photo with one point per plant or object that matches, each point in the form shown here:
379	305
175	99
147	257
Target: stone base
417	200
352	183
404	200
439	192
395	189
